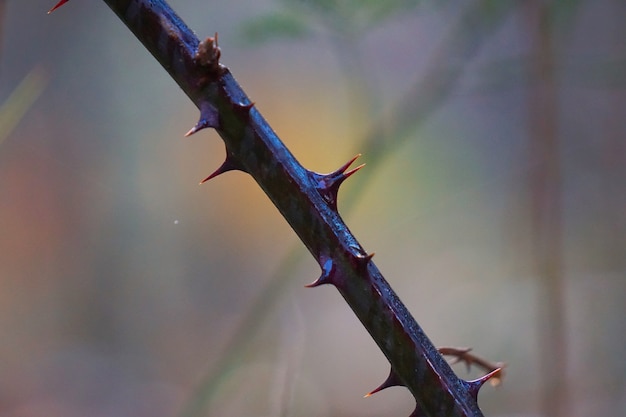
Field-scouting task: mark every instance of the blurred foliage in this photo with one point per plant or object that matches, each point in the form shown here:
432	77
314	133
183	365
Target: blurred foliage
297	18
275	26
562	12
21	99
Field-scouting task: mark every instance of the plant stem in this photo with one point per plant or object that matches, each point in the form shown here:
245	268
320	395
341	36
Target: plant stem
307	201
429	96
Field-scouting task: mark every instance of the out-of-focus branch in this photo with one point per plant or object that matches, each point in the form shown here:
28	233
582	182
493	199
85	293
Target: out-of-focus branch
545	206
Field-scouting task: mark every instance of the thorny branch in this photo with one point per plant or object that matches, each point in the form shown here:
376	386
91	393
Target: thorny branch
308	201
427	93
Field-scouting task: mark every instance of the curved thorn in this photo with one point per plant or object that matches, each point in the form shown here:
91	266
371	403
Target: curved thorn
352	171
418	412
325	181
328	273
209	117
195	129
328	184
244	108
248	106
346	165
334	180
228	165
59	4
475	385
392	381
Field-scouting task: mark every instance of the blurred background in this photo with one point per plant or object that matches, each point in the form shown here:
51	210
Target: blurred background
494	197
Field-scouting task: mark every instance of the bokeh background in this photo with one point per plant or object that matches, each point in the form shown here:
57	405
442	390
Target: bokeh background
494	198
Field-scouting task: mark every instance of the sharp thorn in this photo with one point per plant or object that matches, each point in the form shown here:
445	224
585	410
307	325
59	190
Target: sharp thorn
364	259
327	181
59	4
244	108
392	381
352	171
328	273
334	180
475	385
347	164
228	165
328	184
193	130
418	412
369	257
208	118
320	281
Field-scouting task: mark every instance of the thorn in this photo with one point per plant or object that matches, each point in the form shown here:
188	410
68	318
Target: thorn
346	165
328	273
368	257
475	385
246	106
328	184
392	381
59	4
352	171
199	126
244	109
209	117
364	259
228	165
417	412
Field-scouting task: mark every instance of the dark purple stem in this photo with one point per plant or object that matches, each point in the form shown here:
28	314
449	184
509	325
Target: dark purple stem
307	200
